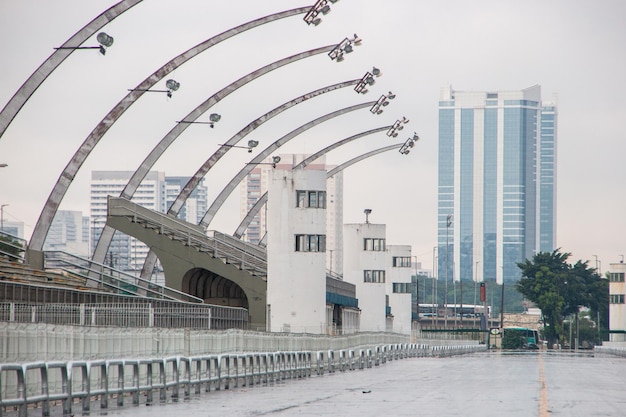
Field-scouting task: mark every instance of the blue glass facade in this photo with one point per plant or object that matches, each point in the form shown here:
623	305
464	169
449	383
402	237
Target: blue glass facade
504	183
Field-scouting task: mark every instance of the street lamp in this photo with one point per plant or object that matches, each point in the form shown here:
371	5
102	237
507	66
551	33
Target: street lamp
410	142
213	118
368	79
171	85
275	160
417	290
2	216
383	101
251	144
396	127
321	6
103	39
344	47
3	165
445	301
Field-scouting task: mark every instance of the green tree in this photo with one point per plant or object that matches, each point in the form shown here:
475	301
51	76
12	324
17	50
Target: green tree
559	289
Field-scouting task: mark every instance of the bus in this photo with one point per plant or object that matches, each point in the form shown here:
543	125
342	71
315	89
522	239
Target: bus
529	338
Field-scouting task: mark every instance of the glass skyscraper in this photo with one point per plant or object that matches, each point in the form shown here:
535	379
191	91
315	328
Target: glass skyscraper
497	172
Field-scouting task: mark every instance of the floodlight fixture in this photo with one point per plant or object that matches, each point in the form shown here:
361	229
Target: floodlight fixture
171	85
213	118
405	149
344	47
251	144
275	160
3	165
103	39
320	6
396	127
383	101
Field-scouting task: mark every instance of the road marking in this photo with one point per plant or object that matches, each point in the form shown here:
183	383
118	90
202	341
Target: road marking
543	393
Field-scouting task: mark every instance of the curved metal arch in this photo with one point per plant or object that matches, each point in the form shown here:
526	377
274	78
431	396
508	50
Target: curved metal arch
221	198
345	165
37	78
243	226
353	161
133	183
193	182
67	176
254	210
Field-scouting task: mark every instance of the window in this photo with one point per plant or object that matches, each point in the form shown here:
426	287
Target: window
310	243
617	299
311	199
374	244
377	276
403	287
616	277
402	261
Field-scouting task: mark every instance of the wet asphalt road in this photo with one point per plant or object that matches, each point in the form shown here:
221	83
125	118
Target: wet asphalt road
484	384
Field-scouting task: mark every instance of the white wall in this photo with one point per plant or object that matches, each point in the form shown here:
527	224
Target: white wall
400	303
617	312
296	281
371	296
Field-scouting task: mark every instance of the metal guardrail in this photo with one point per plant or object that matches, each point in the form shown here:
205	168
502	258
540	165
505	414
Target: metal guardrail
247	259
11	247
135	315
24	387
105	277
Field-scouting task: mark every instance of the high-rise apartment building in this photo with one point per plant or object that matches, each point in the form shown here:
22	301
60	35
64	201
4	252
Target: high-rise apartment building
497	172
69	232
156	192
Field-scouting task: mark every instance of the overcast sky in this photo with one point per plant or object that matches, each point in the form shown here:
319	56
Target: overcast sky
574	49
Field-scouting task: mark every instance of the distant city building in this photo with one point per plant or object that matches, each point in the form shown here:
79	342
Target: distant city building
156	192
15	229
196	204
497	182
69	232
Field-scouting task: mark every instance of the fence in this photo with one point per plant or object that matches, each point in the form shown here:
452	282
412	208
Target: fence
40	385
139	314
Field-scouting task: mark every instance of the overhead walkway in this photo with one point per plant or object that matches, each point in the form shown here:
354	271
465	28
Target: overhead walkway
216	268
213	266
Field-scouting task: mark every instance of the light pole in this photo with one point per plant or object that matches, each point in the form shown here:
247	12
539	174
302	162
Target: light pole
2	216
417	290
445	300
435	274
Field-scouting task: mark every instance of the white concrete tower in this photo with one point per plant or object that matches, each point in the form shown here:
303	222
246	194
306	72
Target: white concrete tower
364	265
296	250
399	287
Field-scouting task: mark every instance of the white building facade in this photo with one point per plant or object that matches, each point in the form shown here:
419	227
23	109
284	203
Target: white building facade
617	305
400	287
364	265
296	250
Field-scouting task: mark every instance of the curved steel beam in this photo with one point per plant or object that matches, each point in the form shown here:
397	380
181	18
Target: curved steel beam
67	176
221	198
337	144
204	169
134	182
243	226
37	78
353	161
193	182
